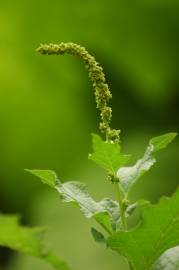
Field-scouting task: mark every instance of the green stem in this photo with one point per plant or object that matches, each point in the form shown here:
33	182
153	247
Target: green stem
121	206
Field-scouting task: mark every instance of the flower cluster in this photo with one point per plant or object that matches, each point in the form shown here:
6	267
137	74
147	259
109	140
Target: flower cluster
96	74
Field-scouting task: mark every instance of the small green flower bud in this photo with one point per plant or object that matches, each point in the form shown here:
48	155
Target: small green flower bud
125	203
106	114
103	127
113	135
112	178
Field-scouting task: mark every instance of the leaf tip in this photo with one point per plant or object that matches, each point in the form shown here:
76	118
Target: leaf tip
160	142
48	177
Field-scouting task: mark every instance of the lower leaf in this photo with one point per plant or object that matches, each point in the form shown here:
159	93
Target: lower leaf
168	261
157	232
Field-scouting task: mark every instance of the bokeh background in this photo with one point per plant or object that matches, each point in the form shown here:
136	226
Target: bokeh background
47	111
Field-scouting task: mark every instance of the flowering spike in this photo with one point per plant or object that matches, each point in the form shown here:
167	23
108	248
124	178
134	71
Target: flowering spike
96	74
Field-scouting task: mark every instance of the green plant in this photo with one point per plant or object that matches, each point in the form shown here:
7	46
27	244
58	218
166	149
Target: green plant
158	230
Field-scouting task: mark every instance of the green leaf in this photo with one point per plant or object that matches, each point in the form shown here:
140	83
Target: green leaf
105	212
98	236
112	209
103	219
107	155
47	176
139	204
129	175
162	141
26	240
158	232
168	261
77	192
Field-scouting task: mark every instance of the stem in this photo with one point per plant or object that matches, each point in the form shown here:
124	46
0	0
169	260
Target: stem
121	206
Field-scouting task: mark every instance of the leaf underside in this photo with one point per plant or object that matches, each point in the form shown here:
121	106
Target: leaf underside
129	175
168	261
105	212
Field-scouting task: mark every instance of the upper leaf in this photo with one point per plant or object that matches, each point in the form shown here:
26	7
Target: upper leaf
107	154
106	212
162	141
129	175
27	240
158	231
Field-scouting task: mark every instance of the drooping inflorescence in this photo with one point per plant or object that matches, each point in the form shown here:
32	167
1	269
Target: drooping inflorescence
96	74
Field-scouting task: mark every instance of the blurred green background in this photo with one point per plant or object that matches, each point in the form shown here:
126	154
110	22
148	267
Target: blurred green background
47	111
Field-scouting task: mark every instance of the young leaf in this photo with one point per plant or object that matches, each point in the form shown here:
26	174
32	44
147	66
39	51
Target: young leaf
106	212
129	175
168	261
107	155
98	236
26	240
158	232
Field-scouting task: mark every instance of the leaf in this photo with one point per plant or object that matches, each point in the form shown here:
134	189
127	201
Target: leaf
158	232
138	204
47	176
105	212
129	175
162	141
26	240
98	236
168	261
107	155
77	192
112	208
